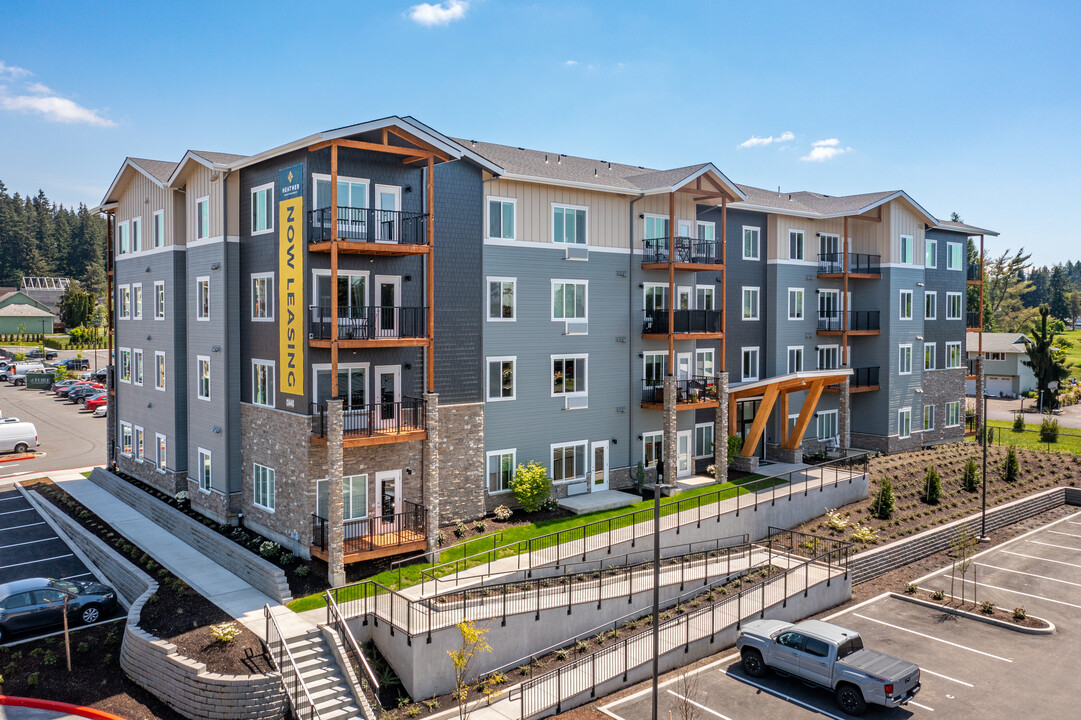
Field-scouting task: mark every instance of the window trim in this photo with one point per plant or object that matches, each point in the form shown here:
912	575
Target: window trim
513	359
960	305
900	353
911	249
126	427
956	405
162	376
198	214
694	440
552	220
159	289
270	214
137	375
123	238
934	255
154	229
901	305
788	359
757	243
269	277
802	243
699	352
121	352
802	303
820	349
961	257
488	298
137	308
905	411
138	445
513	452
200	466
136	222
199	380
585	454
488	200
273	494
124	311
552	300
835	413
927	407
933	346
933	296
646	436
161	459
757	303
199	305
758	362
272	381
711	289
946	359
551	374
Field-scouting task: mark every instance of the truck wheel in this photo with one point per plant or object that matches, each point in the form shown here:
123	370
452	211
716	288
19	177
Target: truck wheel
752	663
851	699
21	448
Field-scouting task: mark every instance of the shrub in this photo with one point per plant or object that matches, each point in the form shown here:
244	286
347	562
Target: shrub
49	658
836	520
224	632
412	711
32	679
938	595
883	504
531	485
711	470
735	444
182	497
932	486
441	537
459	529
1012	467
480	526
1049	430
269	548
503	513
1019	613
911	588
639	477
970	480
1018	422
987	607
303	571
864	533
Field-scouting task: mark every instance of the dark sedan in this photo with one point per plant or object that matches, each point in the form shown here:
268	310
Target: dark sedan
80	394
38	603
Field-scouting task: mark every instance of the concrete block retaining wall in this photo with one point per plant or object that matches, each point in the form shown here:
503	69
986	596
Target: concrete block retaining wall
259	573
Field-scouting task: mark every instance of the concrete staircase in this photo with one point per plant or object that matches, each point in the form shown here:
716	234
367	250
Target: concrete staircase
327	686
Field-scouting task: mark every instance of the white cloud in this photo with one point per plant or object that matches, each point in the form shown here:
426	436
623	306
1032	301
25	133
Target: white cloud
755	141
38	89
570	63
442	13
12	71
822	150
53	107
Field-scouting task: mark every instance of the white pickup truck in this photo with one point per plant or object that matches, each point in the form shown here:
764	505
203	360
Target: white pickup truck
831	656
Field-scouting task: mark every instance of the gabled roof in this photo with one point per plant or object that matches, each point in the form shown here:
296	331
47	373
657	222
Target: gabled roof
18	310
962	227
996	342
158	171
212	160
817	205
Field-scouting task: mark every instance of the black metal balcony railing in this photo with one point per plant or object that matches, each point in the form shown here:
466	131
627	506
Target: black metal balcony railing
972	319
698	388
973	366
686	321
972	423
861	263
376	533
371	322
864	377
368	225
858	320
688	250
973	272
369	419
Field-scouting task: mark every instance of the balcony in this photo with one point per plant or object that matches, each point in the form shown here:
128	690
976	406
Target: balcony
973	366
369	232
689	324
380	536
972	424
378	423
696	392
691	254
372	326
973	274
972	320
860	322
864	379
860	265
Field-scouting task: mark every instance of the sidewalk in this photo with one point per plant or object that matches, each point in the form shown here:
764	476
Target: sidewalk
223	588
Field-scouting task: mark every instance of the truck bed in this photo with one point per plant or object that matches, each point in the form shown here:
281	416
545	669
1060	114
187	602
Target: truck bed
880	665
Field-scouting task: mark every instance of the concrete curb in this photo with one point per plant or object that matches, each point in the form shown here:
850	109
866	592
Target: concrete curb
1049	630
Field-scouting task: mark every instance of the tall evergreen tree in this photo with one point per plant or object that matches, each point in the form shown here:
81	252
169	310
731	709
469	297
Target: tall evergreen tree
1048	363
1060	294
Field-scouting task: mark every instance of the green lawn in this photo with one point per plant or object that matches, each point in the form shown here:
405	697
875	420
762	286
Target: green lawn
1069	438
519	533
1073	354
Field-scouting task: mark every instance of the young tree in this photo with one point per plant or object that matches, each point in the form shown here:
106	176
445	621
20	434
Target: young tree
883	504
687	706
473	642
970	481
1047	362
1004	286
963	547
932	486
531	486
1011	468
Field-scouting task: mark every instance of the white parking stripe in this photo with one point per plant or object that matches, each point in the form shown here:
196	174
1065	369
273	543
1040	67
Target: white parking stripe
1019	572
20	527
28	542
69	577
783	696
12	512
932	637
1057	532
609	713
13	497
31	562
945	677
913	702
700	706
1060	547
1036	557
1018	592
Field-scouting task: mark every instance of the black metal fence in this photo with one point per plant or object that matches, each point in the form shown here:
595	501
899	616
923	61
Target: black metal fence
371	322
655	322
864	377
858	320
361	419
687	250
368	225
859	263
695	389
972	319
391	529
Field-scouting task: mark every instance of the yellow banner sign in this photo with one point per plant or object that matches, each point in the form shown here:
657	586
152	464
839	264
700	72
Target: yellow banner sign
291	280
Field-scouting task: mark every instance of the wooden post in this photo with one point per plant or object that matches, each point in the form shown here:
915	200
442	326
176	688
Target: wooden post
982	258
334	271
724	282
431	274
671	282
844	301
67	633
784	417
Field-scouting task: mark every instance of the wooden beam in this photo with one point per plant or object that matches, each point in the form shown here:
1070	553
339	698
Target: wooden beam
715	184
410	137
417	158
732	415
805	414
334	271
431	274
375	147
760	419
784	417
384	136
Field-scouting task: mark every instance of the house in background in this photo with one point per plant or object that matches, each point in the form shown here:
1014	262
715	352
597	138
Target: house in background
1006	375
25	318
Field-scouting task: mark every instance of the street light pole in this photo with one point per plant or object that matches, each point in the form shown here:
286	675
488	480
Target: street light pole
657	489
983	511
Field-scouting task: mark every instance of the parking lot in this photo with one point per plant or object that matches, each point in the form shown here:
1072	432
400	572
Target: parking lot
969	669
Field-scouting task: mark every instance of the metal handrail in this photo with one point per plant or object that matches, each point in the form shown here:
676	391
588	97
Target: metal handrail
335	618
368	322
367	225
684	321
271	622
687	250
495	537
701	387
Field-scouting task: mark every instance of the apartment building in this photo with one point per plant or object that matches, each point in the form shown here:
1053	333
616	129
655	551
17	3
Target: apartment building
348	340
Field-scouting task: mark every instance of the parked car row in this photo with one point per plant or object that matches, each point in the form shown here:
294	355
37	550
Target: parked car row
86	392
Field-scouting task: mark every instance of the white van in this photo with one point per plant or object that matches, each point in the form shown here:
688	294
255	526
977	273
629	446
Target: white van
17	436
20	369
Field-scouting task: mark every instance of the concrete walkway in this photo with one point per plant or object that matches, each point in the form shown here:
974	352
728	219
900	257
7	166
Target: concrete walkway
222	587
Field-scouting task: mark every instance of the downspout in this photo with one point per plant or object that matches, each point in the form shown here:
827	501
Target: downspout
228	342
630	334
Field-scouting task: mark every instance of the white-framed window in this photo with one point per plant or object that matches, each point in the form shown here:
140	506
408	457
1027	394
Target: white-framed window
136	234
569	461
906	250
501	298
204	470
263	382
652	448
828	425
751	237
159	229
569	375
262	209
140	450
202	377
795	244
159	370
703	440
930	305
262	297
703	362
829	247
162	452
656	228
829	357
137	301
795	358
704	297
954	305
123	238
653	366
955	256
570	224
953	355
202	218
137	367
125	439
202	298
750	303
501	467
159	300
904	360
655	296
795	303
263	485
125	302
501	217
352	383
906	305
904	422
928	417
930	350
953	413
125	365
502	378
930	252
707	230
570	300
749	366
354	497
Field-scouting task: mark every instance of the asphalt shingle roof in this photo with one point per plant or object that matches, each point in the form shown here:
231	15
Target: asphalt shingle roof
160	169
19	310
995	342
219	157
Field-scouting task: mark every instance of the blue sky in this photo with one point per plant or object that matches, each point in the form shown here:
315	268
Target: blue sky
969	106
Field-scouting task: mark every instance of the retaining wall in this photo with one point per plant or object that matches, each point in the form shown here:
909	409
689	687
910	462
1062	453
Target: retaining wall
257	572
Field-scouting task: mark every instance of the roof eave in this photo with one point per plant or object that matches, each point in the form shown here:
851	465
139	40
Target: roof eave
120	173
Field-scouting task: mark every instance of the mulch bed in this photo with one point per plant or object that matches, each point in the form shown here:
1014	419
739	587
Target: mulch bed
175	613
975	608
